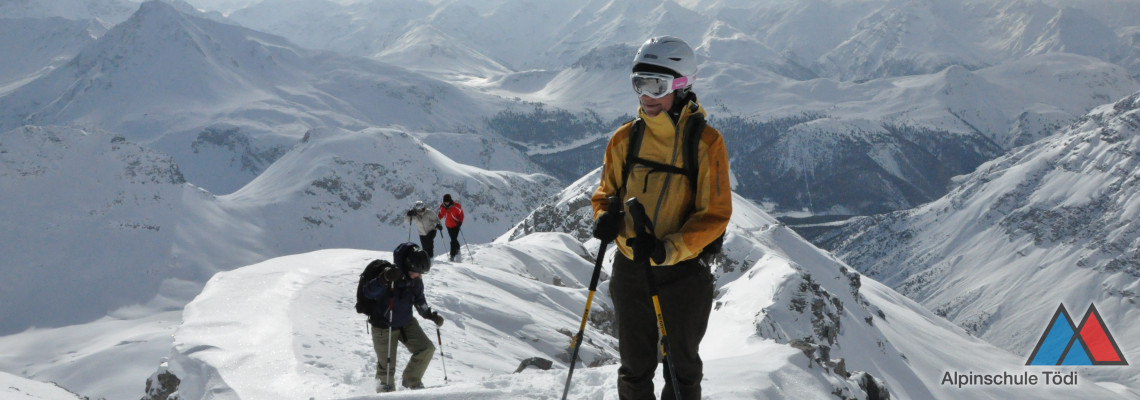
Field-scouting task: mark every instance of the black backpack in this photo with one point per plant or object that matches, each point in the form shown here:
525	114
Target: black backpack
691	142
365	305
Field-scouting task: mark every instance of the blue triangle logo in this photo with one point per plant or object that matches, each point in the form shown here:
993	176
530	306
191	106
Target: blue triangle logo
1056	340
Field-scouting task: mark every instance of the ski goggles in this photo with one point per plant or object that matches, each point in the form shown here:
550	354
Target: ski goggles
657	85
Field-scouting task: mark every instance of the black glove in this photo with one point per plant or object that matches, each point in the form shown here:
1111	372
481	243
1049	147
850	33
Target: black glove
392	275
411	213
646	247
439	228
435	317
607	225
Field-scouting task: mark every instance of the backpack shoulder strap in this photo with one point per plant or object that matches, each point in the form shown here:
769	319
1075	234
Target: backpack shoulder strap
636	132
691	148
693	132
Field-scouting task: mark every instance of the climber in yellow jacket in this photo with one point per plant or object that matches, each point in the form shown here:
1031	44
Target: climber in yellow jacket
688	200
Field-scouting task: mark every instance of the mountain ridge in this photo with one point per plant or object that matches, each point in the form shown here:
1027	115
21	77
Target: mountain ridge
1053	219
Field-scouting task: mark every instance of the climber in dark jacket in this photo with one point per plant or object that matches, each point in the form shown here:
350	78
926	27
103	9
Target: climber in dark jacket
398	290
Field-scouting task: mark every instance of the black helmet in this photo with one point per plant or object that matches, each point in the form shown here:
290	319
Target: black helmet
411	258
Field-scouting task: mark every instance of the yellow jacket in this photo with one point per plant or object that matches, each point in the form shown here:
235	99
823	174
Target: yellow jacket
667	197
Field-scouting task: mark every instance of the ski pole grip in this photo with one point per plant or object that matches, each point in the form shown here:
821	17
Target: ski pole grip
614	204
637	211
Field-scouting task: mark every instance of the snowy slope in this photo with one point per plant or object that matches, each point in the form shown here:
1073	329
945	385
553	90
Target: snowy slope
1050	223
350	189
98	209
14	387
84	207
490	152
790	321
768	267
127	213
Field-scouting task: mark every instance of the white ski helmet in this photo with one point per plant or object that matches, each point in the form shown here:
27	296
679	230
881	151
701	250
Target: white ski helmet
668	52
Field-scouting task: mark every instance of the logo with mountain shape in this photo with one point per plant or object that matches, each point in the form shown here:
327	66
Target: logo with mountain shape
1089	343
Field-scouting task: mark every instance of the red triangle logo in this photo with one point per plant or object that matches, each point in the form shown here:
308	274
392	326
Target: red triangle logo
1101	346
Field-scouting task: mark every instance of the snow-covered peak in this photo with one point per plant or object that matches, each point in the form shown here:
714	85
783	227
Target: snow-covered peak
425	48
901	39
1074	31
160	61
175	78
339	183
1056	217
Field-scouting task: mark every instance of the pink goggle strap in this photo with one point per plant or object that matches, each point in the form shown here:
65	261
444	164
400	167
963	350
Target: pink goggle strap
681	82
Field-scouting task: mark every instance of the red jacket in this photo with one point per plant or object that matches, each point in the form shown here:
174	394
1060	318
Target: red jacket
452	216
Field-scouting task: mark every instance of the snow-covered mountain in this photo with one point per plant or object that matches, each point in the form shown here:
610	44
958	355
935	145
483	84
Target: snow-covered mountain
428	49
1034	28
861	148
1052	222
108	11
321	140
87	206
361	29
965	72
181	82
351	189
790	321
98	208
127	213
226	111
842	39
43	44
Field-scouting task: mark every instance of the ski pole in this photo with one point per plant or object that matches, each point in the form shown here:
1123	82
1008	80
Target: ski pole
576	342
439	339
643	226
469	253
391	372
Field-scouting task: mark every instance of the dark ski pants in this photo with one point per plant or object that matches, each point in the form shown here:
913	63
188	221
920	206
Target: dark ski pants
454	233
686	297
418	343
427	242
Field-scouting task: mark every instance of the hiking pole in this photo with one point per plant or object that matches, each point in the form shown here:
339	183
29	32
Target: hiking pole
469	253
576	342
391	372
643	226
439	340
